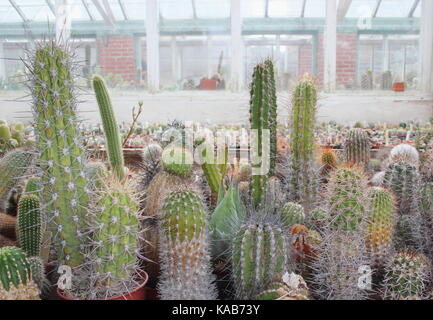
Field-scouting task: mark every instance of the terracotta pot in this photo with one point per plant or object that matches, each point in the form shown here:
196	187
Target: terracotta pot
137	294
208	84
398	86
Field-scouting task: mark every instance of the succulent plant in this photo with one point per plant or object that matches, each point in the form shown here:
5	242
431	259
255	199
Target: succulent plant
292	213
177	160
404	153
357	148
16	282
260	256
407	276
329	161
7	225
33	186
304	243
66	188
30	225
184	249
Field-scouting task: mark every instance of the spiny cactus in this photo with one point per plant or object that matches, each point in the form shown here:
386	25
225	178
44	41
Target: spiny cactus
151	163
294	288
407	276
263	122
329	161
16	281
13	166
33	186
301	175
357	148
65	186
184	249
5	133
404	153
38	273
380	225
292	213
111	129
260	256
426	208
177	160
29	224
304	243
116	239
346	196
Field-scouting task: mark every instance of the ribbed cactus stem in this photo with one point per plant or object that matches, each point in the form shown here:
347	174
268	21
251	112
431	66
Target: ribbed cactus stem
111	129
184	249
66	187
273	113
357	147
13	166
259	257
29	223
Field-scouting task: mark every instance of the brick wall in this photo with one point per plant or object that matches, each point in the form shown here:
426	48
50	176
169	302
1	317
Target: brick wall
305	59
116	56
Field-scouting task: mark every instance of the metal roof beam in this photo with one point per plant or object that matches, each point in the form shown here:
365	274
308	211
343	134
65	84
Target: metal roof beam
266	8
86	6
376	8
19	11
194	9
413	8
122	7
102	12
343	7
51	6
304	4
108	10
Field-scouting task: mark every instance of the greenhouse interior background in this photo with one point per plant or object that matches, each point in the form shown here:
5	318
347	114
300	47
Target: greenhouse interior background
193	59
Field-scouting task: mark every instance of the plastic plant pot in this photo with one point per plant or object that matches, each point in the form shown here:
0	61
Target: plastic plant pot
398	86
137	294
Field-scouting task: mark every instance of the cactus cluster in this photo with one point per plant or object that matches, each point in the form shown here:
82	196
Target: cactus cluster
357	148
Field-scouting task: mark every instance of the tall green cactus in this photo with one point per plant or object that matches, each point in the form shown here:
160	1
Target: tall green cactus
301	176
16	281
357	147
184	248
260	256
29	224
263	122
13	166
66	187
380	225
116	238
111	129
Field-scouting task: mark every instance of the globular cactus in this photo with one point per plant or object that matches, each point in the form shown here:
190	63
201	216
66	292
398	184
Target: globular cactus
263	123
357	148
407	276
177	160
16	282
377	179
116	239
300	174
260	256
329	161
294	288
111	129
30	225
317	218
5	133
346	197
404	153
66	187
13	166
184	249
292	213
380	225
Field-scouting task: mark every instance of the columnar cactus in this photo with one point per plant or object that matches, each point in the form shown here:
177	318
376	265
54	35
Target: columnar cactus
116	238
16	281
346	198
301	175
111	129
65	185
260	256
380	225
407	276
184	249
357	147
292	213
13	166
263	121
29	224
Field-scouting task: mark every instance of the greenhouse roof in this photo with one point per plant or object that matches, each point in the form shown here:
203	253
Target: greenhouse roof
206	16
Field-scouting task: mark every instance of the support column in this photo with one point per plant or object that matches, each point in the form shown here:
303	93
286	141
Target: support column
237	47
152	45
63	21
426	47
330	46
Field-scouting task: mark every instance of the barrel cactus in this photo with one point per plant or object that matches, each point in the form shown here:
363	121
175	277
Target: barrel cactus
404	153
184	248
16	282
357	147
292	213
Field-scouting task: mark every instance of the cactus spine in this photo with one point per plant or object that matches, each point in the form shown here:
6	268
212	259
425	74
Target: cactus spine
111	129
260	254
66	188
357	147
263	121
184	248
16	281
29	224
380	225
292	213
13	166
301	176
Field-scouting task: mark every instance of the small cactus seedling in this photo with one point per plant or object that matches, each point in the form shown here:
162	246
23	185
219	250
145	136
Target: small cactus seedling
184	249
29	224
357	148
407	276
16	281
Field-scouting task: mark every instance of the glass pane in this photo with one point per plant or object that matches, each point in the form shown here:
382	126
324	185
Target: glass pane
79	12
394	8
285	8
135	9
361	8
315	8
253	8
8	13
35	10
212	8
176	9
116	9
